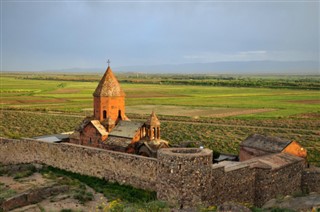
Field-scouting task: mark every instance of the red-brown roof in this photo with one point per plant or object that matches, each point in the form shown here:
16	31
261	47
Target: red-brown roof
126	129
108	85
266	143
99	127
153	120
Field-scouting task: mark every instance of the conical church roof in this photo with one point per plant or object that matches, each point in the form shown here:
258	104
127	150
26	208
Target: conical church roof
108	85
153	120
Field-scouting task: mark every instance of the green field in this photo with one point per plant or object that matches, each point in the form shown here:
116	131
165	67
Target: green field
217	117
74	96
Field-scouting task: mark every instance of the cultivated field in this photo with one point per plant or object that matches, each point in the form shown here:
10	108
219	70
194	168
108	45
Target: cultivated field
183	100
217	117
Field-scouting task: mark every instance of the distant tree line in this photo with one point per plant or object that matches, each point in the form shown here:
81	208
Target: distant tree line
290	82
236	82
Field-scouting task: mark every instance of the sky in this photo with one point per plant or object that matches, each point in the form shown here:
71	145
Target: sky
49	35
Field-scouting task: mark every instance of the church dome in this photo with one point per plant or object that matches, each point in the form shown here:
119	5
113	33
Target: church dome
153	120
108	86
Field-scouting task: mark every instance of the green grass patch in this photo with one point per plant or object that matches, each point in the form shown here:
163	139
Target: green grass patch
6	192
23	174
219	134
83	196
18	171
48	93
112	191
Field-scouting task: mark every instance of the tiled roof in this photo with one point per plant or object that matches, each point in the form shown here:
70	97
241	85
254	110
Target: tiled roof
126	129
153	120
266	143
108	85
99	127
118	141
273	161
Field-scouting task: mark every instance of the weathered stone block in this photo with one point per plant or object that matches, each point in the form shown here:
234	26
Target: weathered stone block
183	175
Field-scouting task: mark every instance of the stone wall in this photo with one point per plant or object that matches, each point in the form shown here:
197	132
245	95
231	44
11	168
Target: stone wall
246	153
311	180
281	182
231	181
184	177
118	167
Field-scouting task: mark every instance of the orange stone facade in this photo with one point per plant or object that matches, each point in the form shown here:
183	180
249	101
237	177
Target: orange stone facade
113	107
296	149
91	137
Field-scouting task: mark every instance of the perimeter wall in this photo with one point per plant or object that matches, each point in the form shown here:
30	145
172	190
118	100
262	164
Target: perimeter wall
183	177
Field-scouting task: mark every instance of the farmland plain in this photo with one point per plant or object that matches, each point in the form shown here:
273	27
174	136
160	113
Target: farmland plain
214	116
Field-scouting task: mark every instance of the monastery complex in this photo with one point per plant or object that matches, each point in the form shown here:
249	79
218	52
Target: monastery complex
110	128
266	167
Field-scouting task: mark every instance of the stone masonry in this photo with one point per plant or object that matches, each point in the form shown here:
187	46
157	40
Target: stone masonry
311	180
182	177
114	166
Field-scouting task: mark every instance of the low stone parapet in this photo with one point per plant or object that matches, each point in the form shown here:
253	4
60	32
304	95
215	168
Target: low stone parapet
310	181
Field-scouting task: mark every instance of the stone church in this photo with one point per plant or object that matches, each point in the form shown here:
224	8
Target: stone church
110	128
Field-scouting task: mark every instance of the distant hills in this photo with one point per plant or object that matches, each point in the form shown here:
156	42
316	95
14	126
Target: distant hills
247	67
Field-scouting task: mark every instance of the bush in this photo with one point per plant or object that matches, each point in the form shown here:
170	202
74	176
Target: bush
66	210
82	196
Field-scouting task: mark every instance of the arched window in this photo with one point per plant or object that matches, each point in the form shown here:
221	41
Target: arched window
104	114
119	114
153	134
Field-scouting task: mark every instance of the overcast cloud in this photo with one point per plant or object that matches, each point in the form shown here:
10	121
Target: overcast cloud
41	35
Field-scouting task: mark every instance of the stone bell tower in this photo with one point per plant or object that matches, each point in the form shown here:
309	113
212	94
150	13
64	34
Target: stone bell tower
153	127
109	98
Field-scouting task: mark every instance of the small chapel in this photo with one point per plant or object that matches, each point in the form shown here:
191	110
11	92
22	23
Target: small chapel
110	128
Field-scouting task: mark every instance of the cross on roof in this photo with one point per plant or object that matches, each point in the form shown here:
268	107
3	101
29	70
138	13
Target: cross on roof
108	62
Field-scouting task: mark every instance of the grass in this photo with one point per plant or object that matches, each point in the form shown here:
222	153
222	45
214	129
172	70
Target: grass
290	113
21	172
74	96
82	196
5	192
218	134
112	191
120	197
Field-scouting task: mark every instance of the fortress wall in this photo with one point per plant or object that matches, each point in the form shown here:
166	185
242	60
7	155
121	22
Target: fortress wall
247	153
239	182
118	167
216	184
234	183
270	183
311	180
183	177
